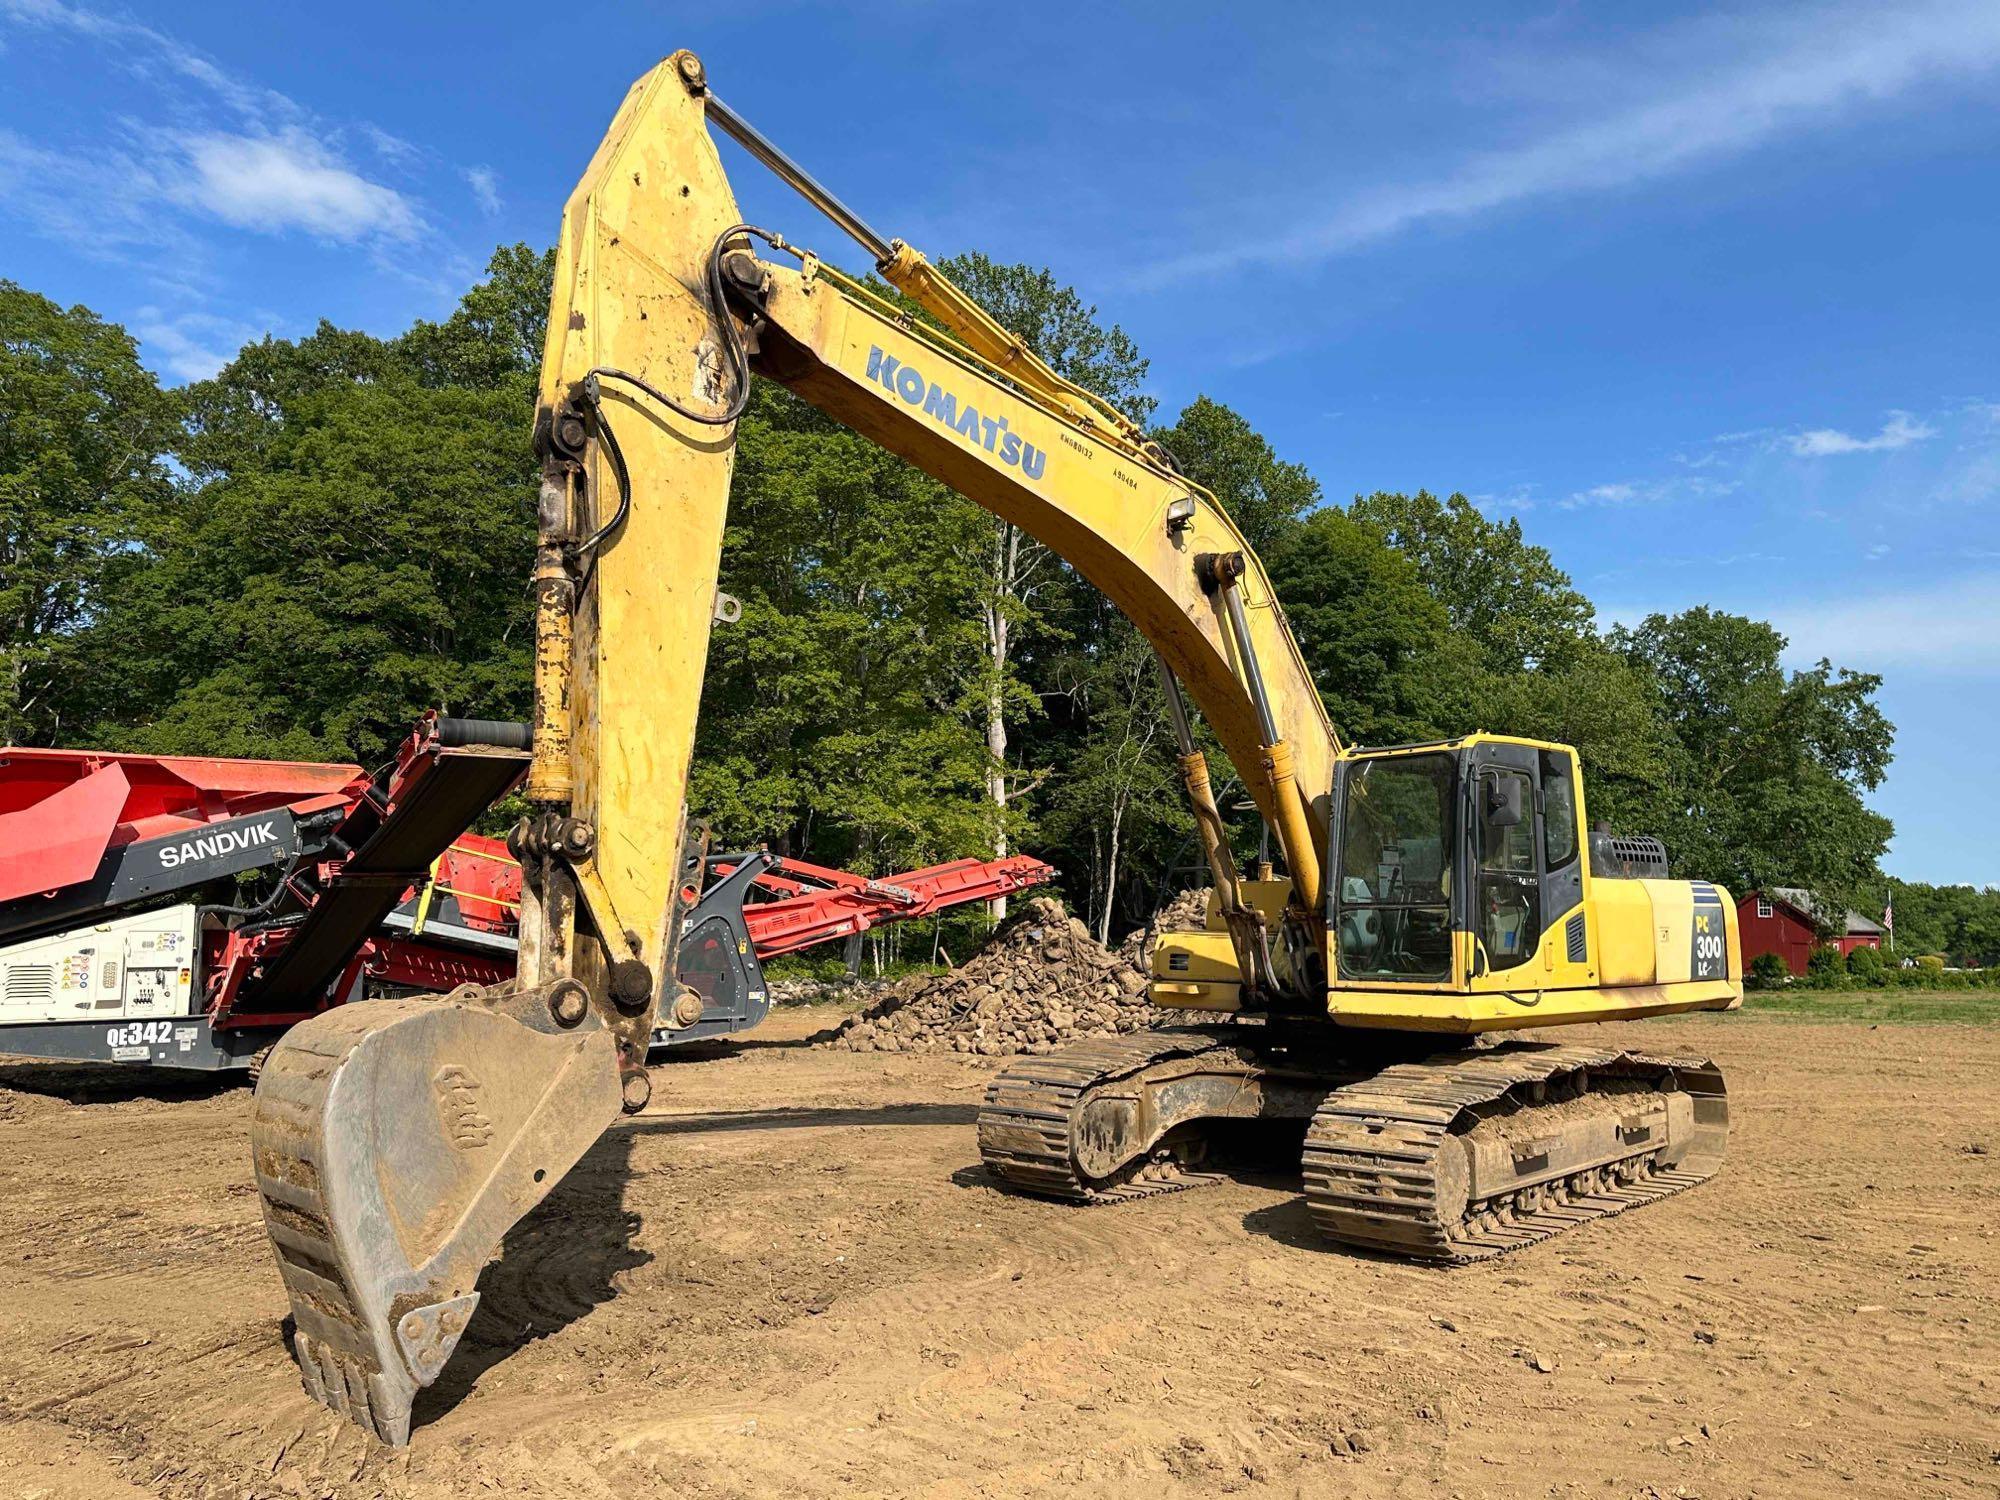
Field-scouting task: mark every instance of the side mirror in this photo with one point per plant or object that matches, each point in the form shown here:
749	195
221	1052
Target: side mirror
1503	801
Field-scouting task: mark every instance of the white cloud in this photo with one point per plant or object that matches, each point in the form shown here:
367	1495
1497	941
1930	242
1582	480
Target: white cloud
1516	498
272	170
485	185
1972	477
120	200
1605	494
189	346
1707	560
391	148
1653	492
1950	624
1801	72
288	181
113	210
1899	431
147	49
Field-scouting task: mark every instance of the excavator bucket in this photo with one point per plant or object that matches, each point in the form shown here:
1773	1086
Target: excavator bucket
395	1143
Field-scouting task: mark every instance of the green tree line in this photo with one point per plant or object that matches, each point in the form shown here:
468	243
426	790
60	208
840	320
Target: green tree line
1959	923
298	556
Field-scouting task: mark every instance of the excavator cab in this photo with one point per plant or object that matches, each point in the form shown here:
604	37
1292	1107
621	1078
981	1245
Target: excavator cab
1473	840
1462	895
1463	873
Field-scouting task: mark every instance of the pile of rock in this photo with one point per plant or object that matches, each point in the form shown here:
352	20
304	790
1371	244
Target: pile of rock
1187	912
1039	981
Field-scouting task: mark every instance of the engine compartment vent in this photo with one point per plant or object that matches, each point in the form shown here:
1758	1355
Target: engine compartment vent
30	983
1627	856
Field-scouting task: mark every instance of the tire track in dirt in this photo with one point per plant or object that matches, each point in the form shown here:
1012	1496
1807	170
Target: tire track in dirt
790	1277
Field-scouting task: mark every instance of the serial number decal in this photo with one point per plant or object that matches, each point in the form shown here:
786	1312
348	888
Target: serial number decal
140	1034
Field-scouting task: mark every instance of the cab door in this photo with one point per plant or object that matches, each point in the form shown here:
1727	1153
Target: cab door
1393	897
1505	855
1524	816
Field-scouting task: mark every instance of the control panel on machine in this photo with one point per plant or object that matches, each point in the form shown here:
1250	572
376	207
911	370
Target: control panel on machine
134	966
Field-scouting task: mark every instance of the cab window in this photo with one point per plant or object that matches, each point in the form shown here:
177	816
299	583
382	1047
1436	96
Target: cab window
1509	896
1394	892
1558	809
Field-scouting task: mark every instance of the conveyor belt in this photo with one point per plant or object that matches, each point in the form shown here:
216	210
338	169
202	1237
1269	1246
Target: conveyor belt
392	852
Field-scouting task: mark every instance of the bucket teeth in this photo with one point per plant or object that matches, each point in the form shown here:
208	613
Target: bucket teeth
395	1142
376	1401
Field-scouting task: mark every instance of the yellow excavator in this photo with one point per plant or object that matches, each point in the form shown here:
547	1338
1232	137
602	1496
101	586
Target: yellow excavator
1428	894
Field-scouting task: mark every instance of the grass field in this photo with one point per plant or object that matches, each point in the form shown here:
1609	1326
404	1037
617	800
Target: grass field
1920	1007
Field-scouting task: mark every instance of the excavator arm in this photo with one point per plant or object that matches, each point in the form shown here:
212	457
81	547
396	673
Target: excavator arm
662	305
396	1141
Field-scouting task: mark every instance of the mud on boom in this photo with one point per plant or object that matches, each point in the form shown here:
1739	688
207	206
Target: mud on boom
1428	894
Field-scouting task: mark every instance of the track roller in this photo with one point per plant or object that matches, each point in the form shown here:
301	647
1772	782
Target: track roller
1454	1160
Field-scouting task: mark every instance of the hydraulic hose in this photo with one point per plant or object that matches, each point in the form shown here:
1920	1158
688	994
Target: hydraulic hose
739	370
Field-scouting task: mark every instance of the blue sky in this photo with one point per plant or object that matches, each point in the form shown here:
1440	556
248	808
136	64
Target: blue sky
1705	295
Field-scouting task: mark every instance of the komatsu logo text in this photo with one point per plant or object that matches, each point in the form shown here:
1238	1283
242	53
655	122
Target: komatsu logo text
215	845
942	407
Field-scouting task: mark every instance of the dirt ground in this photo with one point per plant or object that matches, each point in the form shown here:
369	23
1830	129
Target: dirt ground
790	1277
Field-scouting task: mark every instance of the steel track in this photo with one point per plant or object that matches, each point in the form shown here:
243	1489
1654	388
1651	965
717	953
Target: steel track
1375	1147
1374	1151
1024	1123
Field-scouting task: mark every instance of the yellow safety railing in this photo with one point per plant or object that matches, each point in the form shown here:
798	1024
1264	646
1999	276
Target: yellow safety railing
434	885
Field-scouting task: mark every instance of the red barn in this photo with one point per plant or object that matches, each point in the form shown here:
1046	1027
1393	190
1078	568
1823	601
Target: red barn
1780	921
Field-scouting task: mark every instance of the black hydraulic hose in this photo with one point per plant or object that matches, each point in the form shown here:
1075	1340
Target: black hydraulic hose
261	908
738	359
587	552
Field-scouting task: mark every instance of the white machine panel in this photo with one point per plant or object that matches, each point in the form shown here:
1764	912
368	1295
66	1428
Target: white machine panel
134	967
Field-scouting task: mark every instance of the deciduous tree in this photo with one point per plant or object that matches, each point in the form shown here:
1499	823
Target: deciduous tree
842	716
1507	594
347	548
84	432
1069	337
1379	645
1766	768
1220	451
